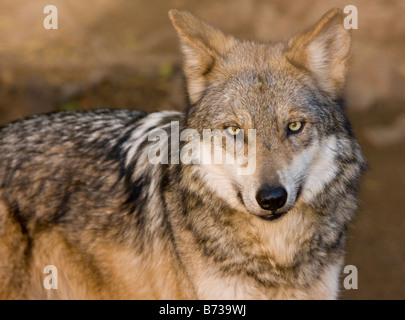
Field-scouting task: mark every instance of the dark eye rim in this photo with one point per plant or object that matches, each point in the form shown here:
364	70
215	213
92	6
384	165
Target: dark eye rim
289	131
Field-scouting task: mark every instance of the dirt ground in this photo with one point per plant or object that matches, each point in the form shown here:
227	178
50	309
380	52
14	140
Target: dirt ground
124	54
376	245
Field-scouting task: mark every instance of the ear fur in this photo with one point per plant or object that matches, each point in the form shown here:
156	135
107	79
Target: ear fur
203	46
323	50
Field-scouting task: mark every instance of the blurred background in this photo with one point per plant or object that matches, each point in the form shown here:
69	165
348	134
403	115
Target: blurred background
124	54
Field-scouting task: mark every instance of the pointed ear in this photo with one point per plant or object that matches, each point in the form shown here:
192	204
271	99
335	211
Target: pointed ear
323	50
203	47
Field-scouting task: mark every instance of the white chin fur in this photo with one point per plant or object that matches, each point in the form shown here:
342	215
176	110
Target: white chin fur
321	171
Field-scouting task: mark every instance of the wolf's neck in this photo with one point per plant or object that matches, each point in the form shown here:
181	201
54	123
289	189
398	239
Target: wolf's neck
291	252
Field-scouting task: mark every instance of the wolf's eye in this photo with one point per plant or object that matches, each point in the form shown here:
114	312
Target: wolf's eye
233	131
295	126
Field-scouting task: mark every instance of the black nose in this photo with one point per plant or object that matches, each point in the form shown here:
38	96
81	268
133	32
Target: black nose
271	198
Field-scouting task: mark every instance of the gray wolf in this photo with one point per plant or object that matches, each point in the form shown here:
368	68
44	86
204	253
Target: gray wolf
77	190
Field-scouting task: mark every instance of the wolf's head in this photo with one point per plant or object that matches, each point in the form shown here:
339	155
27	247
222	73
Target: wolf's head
289	92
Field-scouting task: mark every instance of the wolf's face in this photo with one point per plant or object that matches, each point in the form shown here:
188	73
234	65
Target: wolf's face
286	92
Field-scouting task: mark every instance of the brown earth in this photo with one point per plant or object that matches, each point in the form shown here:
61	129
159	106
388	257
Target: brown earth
124	54
376	244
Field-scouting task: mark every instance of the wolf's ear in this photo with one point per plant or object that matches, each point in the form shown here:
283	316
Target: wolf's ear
323	50
203	47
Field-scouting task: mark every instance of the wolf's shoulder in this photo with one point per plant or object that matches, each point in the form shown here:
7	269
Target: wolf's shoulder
79	131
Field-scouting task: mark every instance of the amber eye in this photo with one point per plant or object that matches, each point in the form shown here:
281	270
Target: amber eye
233	131
295	126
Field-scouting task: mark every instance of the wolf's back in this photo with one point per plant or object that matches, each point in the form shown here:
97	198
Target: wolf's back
43	156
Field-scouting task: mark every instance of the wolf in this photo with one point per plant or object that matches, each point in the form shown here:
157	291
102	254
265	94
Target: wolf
79	192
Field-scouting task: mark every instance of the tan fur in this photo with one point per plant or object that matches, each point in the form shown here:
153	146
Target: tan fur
106	273
202	45
323	50
12	264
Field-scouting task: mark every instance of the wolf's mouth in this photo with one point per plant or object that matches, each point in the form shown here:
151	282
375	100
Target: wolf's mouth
273	217
270	217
